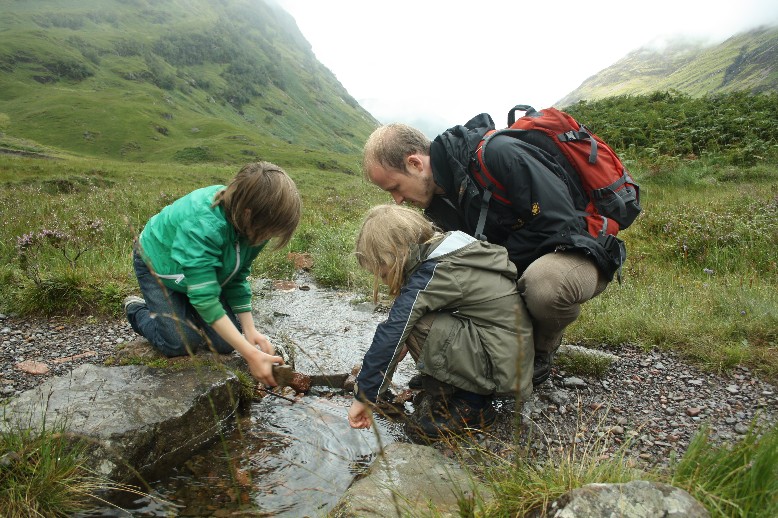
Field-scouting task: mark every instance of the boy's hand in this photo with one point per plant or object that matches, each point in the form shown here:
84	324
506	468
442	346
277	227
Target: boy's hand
254	337
261	367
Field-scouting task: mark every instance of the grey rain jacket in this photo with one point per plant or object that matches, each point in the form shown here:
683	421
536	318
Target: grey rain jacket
542	217
482	334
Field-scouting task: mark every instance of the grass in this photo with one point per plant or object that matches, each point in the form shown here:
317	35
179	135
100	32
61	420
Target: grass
528	487
701	276
583	364
43	473
738	480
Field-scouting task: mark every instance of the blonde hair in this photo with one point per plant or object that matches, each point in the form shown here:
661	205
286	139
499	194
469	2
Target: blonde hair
262	202
384	242
390	145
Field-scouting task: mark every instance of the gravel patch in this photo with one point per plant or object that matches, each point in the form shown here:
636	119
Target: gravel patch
35	350
648	405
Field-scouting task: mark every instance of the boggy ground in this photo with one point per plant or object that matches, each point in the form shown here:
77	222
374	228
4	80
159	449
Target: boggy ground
651	400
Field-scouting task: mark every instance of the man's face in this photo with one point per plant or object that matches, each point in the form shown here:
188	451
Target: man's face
414	185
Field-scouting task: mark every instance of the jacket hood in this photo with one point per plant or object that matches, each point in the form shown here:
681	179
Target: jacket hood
457	145
463	250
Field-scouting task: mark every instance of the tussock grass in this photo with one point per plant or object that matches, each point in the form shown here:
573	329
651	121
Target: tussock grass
43	473
737	480
581	364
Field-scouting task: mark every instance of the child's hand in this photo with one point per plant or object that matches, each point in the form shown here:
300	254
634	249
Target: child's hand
254	337
261	367
359	415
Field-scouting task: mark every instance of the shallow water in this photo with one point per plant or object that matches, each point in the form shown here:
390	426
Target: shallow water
284	459
329	330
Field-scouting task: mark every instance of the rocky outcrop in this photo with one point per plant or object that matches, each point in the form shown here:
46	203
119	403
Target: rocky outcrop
137	421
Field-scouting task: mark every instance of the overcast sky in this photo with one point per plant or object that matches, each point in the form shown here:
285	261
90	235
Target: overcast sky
436	63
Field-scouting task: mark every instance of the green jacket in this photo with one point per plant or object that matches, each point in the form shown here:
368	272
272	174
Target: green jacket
481	338
194	250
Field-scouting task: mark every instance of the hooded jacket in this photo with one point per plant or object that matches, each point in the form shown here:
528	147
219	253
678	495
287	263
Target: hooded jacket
194	250
481	336
542	217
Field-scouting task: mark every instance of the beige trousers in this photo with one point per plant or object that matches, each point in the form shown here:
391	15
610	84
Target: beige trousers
553	287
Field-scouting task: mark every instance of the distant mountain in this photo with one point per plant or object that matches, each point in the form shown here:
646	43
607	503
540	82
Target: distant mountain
171	80
747	61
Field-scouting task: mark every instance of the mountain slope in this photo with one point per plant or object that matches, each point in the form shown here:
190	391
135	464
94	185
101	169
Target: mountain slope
747	61
160	80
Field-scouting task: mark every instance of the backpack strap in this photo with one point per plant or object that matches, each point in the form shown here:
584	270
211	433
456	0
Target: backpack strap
479	228
529	110
610	192
487	182
583	133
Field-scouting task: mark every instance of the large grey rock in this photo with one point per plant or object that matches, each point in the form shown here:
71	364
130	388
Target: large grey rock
636	499
137	420
405	481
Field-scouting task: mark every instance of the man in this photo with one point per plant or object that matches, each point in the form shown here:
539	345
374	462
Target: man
559	263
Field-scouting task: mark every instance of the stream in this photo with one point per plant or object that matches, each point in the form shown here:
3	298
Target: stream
284	458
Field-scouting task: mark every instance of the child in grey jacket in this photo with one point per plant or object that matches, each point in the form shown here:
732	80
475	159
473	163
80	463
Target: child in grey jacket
457	311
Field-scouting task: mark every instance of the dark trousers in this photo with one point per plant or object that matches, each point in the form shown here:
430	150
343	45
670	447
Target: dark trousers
169	321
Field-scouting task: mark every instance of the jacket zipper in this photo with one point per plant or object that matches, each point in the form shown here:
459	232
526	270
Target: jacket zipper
177	277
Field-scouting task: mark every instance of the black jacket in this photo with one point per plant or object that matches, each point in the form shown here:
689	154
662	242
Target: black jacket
542	216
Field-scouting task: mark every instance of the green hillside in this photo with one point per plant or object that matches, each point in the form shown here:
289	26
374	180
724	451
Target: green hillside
171	80
745	62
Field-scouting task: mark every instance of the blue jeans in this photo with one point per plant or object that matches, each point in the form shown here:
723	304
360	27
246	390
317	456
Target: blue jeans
169	321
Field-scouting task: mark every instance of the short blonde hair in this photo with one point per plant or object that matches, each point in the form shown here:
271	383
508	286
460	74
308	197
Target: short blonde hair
262	202
384	241
390	145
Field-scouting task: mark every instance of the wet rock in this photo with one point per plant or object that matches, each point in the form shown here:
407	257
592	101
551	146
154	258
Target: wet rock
284	285
407	479
636	499
134	418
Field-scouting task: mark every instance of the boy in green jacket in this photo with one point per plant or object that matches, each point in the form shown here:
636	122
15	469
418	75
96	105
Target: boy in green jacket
192	261
457	311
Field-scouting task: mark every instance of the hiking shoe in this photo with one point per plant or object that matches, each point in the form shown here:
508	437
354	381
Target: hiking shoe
541	368
132	300
415	382
451	417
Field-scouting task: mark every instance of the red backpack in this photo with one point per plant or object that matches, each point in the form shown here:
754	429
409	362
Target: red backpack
603	189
